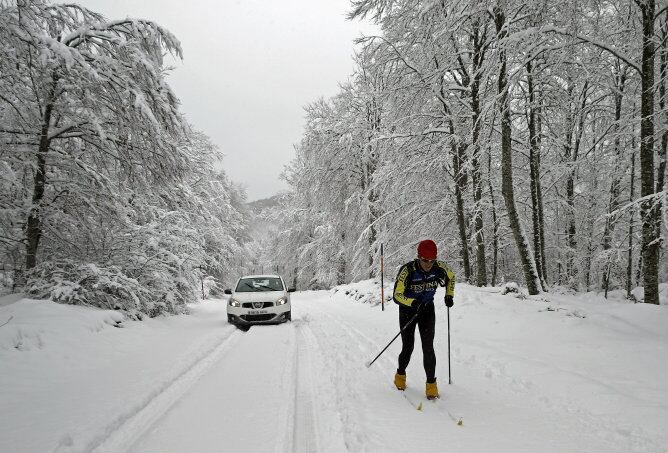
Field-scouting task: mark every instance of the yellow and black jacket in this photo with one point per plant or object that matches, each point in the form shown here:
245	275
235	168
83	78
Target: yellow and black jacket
412	281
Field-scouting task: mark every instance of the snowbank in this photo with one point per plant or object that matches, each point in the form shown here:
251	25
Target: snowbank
40	324
366	291
10	299
578	357
69	376
551	373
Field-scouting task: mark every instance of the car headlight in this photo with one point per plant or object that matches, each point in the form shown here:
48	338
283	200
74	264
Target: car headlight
234	303
281	301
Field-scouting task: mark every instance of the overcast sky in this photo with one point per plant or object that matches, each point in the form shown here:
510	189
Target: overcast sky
249	68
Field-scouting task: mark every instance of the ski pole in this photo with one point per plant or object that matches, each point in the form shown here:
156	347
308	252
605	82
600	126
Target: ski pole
382	278
368	364
449	367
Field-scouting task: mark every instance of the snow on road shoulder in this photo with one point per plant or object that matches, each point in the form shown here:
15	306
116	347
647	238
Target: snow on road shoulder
580	361
366	291
552	373
39	324
68	377
10	299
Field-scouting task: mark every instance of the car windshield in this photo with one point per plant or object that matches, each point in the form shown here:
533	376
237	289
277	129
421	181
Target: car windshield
256	284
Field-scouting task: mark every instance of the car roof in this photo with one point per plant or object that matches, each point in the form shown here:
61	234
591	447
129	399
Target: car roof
261	276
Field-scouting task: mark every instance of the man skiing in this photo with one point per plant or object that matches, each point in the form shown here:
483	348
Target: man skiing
414	292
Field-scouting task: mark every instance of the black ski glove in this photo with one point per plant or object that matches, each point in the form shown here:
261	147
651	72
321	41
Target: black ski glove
420	300
449	302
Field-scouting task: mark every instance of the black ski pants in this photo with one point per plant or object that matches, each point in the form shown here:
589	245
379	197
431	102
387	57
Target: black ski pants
426	323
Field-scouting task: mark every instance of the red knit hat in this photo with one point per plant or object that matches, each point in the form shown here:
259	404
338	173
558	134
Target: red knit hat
427	249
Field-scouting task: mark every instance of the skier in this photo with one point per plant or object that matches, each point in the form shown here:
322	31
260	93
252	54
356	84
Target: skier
414	293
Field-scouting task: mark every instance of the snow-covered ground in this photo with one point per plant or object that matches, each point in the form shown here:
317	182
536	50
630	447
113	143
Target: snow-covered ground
553	373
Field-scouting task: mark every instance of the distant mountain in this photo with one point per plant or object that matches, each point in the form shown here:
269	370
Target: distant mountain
261	228
258	206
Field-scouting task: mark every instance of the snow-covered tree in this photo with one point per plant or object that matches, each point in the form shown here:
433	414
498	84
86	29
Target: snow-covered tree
472	91
110	197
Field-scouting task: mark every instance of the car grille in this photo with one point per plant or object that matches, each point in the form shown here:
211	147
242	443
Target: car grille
264	305
251	318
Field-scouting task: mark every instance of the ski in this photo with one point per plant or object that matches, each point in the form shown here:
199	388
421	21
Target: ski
458	420
412	400
416	405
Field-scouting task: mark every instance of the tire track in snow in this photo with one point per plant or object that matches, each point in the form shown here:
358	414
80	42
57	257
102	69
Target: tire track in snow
289	380
301	429
128	428
305	420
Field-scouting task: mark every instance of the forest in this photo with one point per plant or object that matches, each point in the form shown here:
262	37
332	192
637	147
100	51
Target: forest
527	138
109	197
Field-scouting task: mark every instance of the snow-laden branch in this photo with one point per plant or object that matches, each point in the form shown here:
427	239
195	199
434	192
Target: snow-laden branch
409	65
17	132
14	107
61	130
111	31
585	39
638	201
433	130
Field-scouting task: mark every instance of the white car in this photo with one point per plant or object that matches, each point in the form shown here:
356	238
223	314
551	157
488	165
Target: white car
259	299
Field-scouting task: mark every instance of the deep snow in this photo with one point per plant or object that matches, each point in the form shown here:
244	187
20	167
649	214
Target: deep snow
551	373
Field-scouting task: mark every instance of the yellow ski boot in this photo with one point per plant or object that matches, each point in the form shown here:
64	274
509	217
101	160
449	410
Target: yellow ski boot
400	381
431	391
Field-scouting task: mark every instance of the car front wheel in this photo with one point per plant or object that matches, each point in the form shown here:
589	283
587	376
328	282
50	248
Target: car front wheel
289	316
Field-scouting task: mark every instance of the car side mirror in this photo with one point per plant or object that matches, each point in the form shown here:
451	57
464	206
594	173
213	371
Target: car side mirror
228	291
291	290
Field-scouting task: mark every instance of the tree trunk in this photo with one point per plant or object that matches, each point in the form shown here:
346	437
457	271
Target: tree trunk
460	187
534	175
481	263
629	263
661	172
341	268
458	151
539	193
495	230
571	157
570	211
615	185
372	217
373	119
34	222
507	190
649	211
589	220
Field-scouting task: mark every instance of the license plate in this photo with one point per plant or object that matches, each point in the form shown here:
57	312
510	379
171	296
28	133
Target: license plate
257	312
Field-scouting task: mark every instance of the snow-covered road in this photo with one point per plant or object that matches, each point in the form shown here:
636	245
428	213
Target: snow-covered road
553	375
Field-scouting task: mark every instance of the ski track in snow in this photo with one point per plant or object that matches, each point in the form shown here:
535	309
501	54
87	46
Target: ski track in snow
306	383
340	351
492	366
375	420
412	395
128	428
579	425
